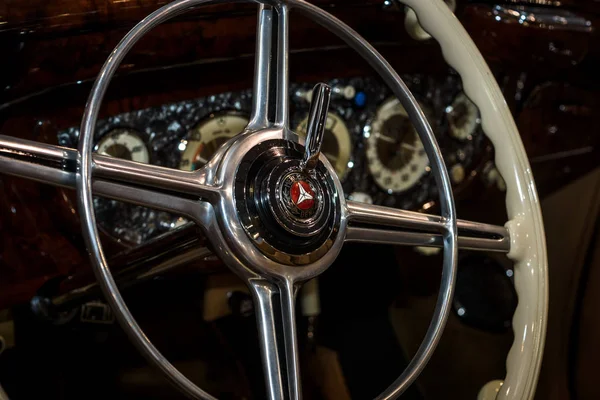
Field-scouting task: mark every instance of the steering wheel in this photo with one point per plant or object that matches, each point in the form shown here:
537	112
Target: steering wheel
276	214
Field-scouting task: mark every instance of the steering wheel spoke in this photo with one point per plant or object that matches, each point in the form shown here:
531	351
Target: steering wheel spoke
377	224
141	184
270	102
154	178
276	320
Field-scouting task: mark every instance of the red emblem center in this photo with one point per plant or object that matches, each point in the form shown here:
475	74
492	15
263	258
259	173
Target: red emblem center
302	195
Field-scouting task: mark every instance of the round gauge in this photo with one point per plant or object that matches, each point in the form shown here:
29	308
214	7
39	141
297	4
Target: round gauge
124	143
395	154
204	140
337	145
463	117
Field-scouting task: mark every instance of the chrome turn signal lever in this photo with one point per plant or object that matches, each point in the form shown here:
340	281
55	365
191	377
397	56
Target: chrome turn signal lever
315	129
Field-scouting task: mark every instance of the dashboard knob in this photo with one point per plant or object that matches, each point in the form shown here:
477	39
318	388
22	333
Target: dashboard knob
348	92
457	173
304	95
315	128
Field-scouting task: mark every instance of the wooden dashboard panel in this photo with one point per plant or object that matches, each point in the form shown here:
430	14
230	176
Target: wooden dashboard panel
57	47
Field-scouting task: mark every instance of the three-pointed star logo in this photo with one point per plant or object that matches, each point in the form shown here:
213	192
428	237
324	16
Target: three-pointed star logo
302	195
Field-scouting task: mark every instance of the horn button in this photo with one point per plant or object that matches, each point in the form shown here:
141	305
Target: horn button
290	213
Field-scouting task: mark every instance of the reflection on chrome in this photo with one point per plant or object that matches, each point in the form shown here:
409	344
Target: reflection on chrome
543	18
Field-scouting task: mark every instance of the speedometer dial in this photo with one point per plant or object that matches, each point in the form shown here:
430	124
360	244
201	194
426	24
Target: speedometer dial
118	219
124	143
204	140
395	154
337	145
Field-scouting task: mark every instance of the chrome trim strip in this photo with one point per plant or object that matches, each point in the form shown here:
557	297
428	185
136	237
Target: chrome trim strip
57	165
271	67
262	68
265	295
36	172
363	219
403	238
282	71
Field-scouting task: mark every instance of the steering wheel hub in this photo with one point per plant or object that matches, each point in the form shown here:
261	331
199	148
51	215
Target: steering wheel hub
290	214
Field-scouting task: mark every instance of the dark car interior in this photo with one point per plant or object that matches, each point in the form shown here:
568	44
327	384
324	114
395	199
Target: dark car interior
183	91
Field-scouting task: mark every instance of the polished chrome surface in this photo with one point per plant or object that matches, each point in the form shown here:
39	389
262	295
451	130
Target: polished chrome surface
362	217
271	68
425	229
256	252
407	238
265	295
152	177
315	128
39	152
57	165
276	352
378	215
288	291
51	175
264	39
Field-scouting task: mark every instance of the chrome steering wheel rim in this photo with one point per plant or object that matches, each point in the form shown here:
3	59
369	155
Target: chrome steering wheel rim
210	190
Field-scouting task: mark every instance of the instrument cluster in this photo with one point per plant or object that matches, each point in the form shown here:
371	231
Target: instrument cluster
369	141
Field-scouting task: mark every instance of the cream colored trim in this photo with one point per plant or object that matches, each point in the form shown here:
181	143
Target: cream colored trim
490	390
3	395
412	26
525	219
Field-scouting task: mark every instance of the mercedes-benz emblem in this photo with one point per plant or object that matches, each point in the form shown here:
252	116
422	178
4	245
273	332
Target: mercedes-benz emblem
302	195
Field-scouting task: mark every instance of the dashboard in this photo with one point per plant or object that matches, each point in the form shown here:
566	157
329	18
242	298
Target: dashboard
369	141
186	88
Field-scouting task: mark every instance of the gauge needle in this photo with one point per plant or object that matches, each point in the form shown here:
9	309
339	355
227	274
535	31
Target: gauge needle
408	146
202	160
386	138
330	157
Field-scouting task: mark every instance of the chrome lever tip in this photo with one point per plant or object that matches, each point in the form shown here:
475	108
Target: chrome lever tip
315	129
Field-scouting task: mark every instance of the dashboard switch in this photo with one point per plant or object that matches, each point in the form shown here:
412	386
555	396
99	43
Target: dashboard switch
360	99
348	92
457	173
315	129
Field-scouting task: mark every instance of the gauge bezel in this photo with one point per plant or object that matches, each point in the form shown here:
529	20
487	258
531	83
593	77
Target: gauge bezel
207	118
129	131
369	135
